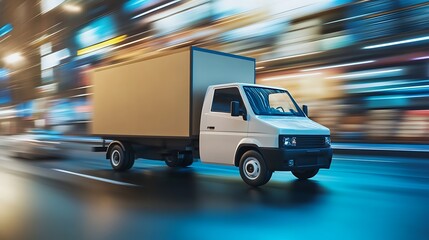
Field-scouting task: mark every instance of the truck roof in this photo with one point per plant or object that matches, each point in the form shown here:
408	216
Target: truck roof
237	84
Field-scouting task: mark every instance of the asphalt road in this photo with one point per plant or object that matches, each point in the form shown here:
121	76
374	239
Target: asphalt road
80	197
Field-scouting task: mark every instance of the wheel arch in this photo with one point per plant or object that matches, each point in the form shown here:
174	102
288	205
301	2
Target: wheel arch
241	149
111	145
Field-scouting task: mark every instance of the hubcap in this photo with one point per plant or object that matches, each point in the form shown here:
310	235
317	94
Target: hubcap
252	168
116	158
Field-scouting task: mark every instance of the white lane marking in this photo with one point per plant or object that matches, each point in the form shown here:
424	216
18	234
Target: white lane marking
96	178
364	160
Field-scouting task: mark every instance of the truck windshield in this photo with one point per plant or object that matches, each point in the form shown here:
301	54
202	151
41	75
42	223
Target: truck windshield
268	101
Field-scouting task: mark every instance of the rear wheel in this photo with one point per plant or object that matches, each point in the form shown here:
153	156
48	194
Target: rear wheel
121	159
179	159
171	161
187	160
253	169
131	160
305	174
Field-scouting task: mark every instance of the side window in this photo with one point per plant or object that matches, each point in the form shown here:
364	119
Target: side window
223	97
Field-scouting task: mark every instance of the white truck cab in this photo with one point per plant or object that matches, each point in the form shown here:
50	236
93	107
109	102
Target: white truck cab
261	129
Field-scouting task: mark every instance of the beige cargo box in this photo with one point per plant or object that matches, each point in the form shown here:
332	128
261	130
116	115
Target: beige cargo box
161	96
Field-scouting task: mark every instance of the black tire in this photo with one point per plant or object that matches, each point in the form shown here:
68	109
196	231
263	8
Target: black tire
253	169
187	160
119	158
131	159
305	174
171	161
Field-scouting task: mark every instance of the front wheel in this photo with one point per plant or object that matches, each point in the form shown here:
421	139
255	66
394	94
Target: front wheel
253	169
305	174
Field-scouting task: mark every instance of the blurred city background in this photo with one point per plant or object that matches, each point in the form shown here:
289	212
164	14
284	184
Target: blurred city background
361	66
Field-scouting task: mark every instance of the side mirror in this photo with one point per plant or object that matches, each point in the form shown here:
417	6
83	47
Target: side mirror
305	109
235	108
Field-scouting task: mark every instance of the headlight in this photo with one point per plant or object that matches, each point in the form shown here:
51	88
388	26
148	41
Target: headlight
328	141
288	142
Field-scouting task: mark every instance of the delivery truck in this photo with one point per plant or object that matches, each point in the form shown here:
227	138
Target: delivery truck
195	103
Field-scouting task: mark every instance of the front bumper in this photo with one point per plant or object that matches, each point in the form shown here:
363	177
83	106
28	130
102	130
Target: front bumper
279	159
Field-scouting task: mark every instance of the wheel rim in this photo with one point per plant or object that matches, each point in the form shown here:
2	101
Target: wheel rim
116	158
252	168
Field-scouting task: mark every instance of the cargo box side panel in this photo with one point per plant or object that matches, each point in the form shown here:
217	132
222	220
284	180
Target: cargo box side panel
211	68
149	98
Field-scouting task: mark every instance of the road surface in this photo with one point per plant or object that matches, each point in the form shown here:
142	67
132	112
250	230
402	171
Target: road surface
80	197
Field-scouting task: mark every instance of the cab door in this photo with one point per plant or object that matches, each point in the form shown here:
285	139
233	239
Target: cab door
220	133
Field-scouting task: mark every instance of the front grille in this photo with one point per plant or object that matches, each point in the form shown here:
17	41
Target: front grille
310	141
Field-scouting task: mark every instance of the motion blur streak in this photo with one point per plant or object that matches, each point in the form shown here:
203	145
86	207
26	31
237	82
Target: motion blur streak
290	76
398	42
362	67
156	9
337	66
95	178
101	45
366	73
349	43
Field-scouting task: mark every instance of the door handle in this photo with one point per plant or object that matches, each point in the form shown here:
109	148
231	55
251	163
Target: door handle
210	127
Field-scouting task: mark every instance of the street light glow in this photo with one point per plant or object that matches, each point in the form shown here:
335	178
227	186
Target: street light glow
155	9
338	65
72	8
412	40
291	76
13	58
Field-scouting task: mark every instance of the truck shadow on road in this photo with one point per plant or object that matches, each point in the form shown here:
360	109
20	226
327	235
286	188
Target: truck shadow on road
284	194
166	188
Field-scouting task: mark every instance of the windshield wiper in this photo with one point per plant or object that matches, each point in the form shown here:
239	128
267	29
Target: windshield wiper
295	113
